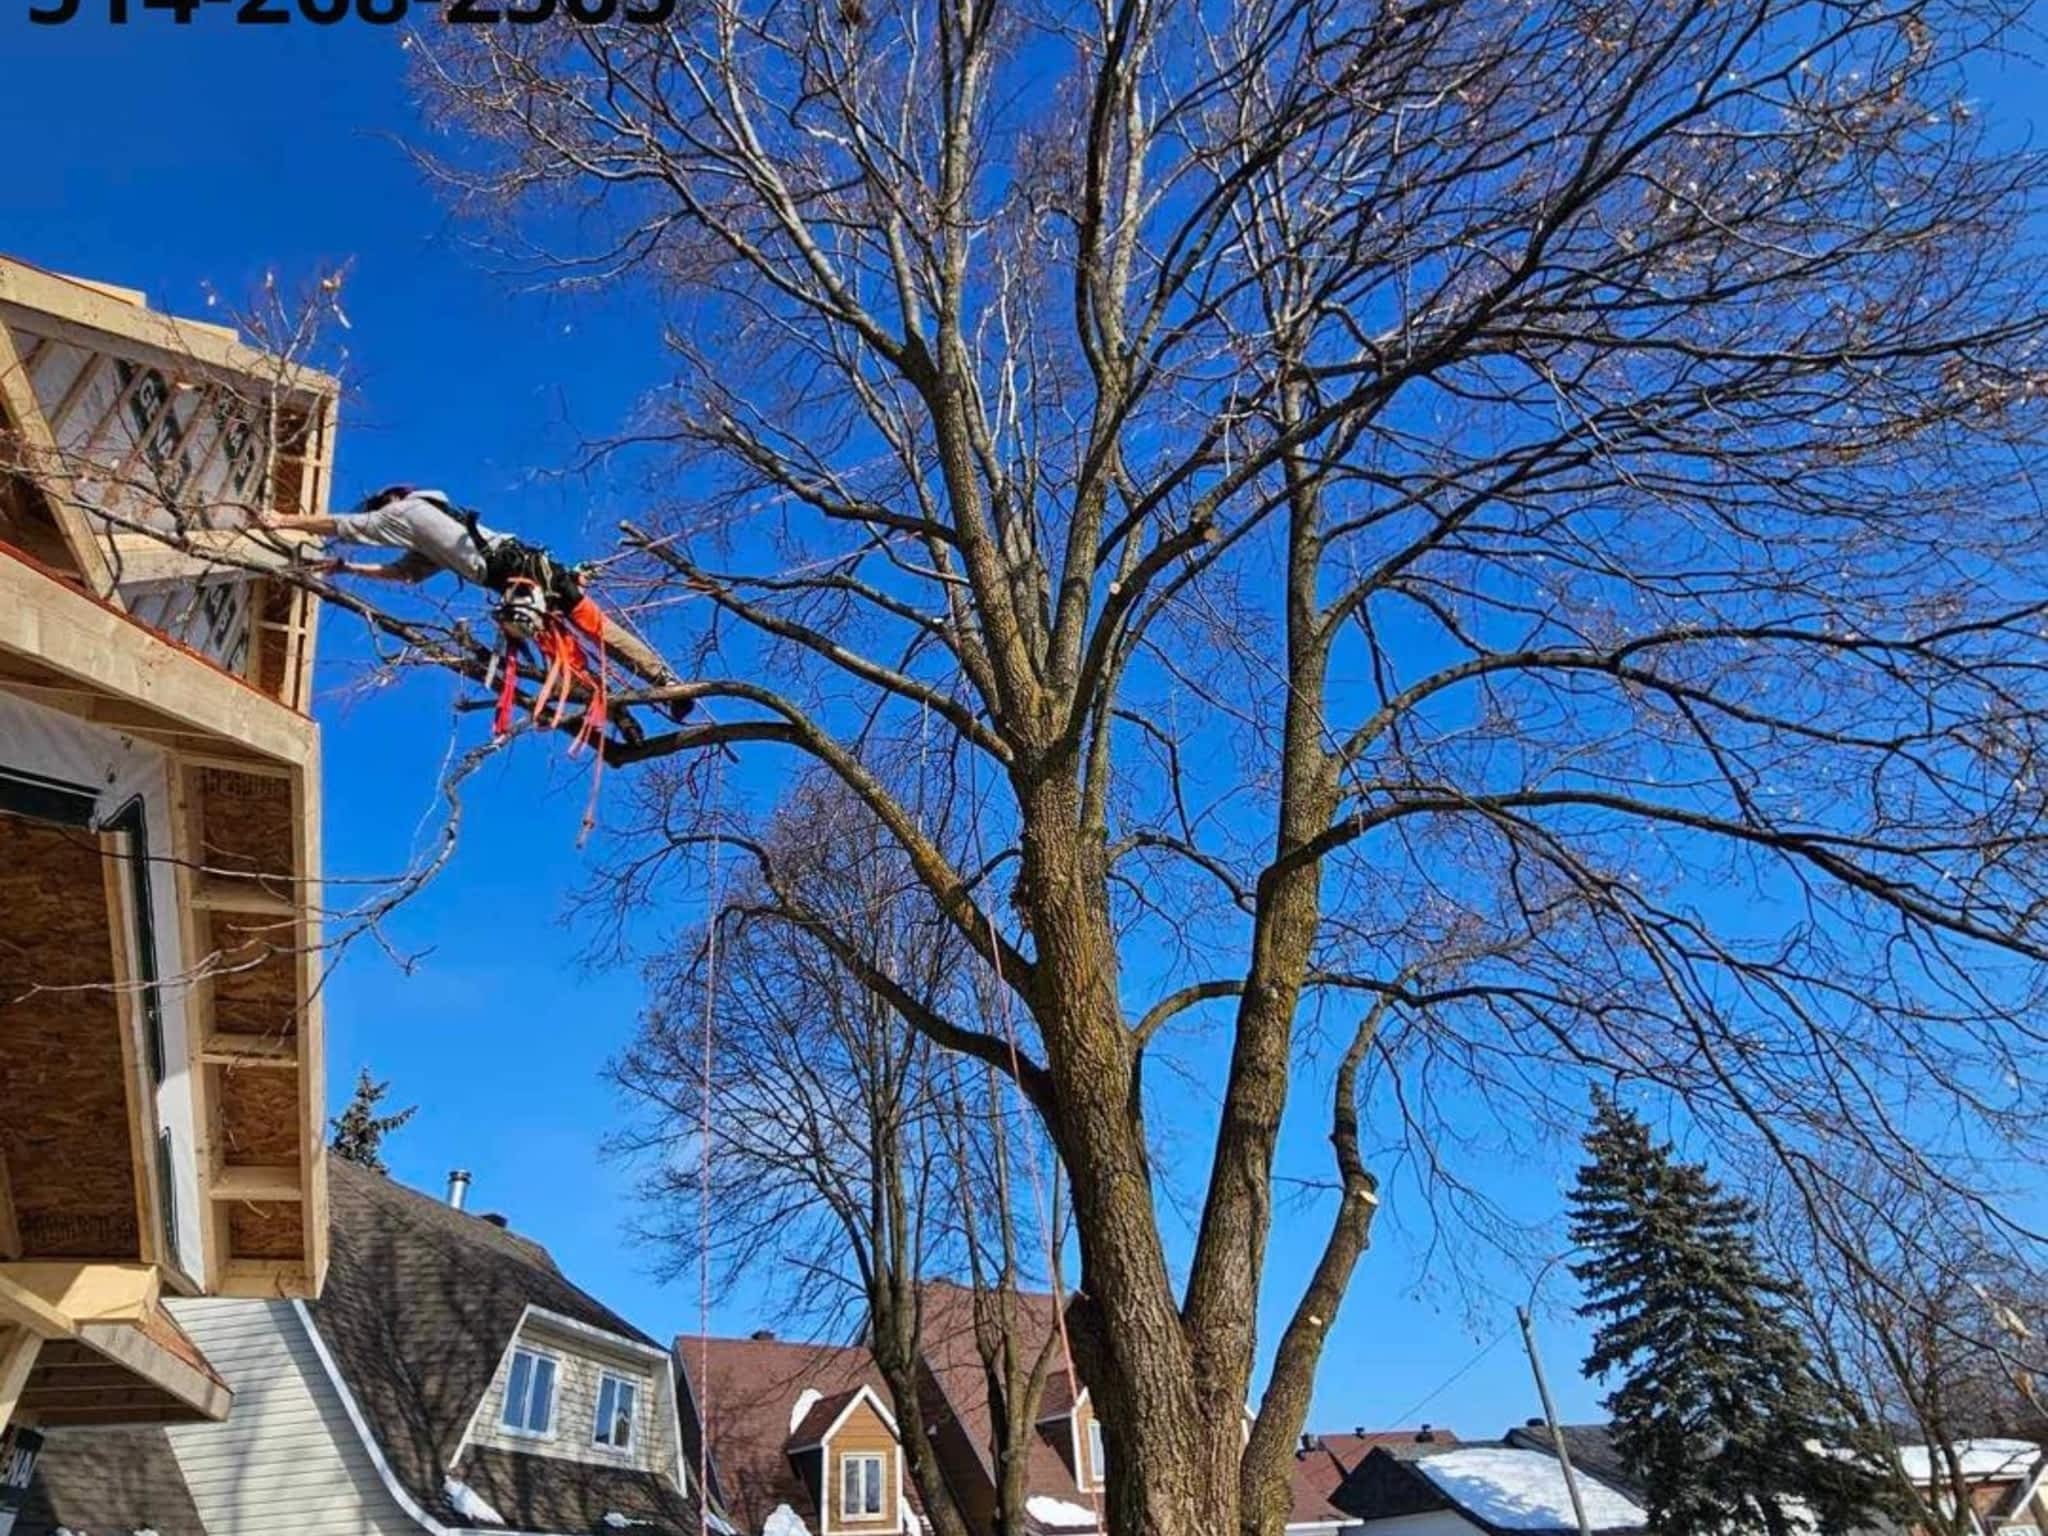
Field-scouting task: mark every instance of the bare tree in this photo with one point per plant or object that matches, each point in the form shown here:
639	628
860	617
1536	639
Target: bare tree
1513	519
798	1132
1933	1331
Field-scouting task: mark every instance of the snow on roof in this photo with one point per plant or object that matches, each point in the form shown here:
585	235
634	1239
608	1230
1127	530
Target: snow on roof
1523	1490
468	1503
784	1521
1979	1458
1050	1511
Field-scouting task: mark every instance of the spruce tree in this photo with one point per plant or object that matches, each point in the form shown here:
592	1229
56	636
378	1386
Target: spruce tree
359	1131
1719	1413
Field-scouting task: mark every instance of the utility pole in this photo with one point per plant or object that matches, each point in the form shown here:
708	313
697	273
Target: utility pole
1564	1457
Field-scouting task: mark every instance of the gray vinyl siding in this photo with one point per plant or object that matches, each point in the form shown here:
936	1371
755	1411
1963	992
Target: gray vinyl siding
287	1459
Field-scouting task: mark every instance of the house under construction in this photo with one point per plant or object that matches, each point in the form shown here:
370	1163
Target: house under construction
161	1096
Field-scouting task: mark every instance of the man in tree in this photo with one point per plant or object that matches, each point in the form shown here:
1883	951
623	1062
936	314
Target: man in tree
1719	1414
438	536
359	1131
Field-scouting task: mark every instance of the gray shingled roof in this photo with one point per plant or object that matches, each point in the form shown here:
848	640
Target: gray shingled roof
108	1482
420	1302
1591	1447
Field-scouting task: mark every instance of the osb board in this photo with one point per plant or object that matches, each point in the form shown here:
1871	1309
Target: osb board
245	822
24	521
256	989
64	1129
259	1115
265	1229
273	648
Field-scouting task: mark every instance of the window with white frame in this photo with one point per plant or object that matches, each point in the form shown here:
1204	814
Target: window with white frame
530	1394
860	1487
1098	1459
616	1397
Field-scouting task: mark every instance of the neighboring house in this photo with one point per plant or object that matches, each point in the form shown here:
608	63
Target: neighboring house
788	1421
449	1378
801	1436
161	1062
1323	1461
2007	1481
1462	1488
1066	1460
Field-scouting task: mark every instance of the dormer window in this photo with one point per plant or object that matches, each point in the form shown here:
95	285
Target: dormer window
530	1394
860	1487
1098	1459
616	1398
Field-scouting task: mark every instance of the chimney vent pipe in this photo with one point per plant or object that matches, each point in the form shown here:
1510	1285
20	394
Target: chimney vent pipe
458	1187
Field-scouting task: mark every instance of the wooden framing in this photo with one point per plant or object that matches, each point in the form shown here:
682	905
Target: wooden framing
47	623
19	1348
121	929
89	1344
243	757
10	1229
25	418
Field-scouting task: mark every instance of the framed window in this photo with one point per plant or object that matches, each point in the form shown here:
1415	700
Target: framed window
530	1394
860	1487
1098	1459
616	1398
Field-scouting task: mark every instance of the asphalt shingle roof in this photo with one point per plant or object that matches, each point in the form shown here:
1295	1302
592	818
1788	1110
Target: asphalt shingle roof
420	1303
108	1482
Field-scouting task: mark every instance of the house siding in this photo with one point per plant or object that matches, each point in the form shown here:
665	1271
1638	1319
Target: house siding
863	1432
288	1458
1082	1418
578	1370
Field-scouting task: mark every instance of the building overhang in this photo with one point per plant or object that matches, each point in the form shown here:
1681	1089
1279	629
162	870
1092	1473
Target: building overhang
106	1351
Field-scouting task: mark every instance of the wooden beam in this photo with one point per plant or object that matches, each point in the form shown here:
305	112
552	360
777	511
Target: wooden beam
46	468
242	893
265	1279
116	850
281	1051
18	1350
250	1181
82	1291
131	1347
142	557
24	1309
10	1228
312	1025
46	621
77	303
195	935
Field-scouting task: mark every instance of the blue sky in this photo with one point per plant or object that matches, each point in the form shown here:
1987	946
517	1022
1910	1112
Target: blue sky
171	158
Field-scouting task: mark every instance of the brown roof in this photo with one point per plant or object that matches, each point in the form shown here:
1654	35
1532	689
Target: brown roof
751	1387
1320	1468
946	1330
810	1431
107	1480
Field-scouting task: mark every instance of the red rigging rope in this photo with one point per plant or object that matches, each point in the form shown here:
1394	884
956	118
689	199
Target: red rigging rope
715	898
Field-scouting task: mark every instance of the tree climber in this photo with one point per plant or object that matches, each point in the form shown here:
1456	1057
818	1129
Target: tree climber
536	593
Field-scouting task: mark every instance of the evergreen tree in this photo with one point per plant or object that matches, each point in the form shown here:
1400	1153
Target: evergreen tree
1719	1413
359	1131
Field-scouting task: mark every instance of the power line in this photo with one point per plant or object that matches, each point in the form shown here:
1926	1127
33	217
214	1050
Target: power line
1453	1379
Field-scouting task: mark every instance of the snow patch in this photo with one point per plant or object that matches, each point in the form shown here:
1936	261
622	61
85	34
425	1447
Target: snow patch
806	1400
1050	1511
468	1503
1524	1490
784	1522
1979	1458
